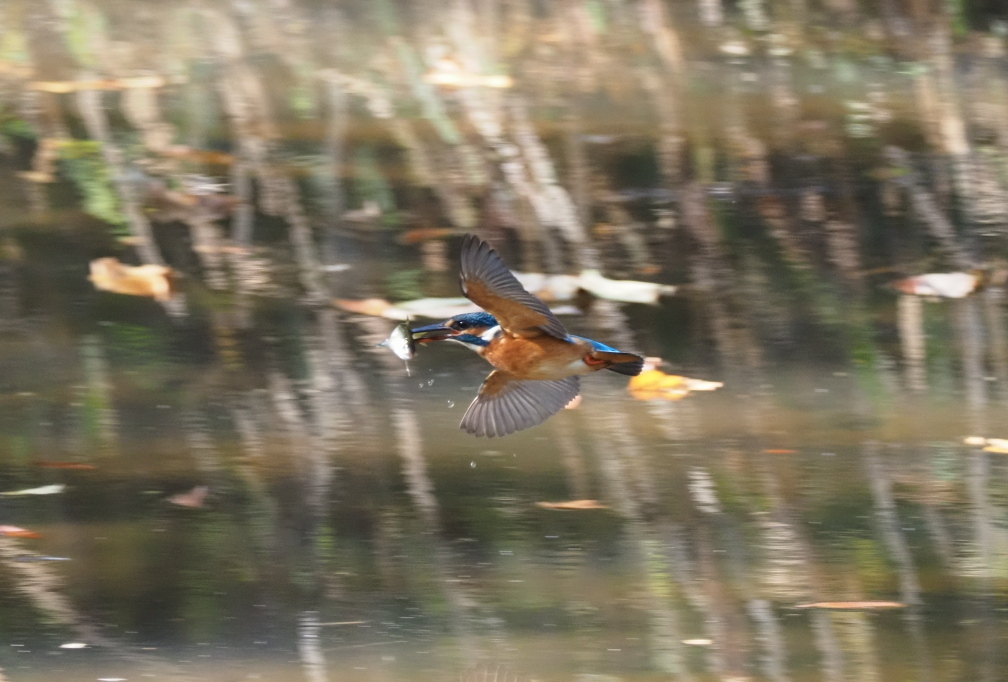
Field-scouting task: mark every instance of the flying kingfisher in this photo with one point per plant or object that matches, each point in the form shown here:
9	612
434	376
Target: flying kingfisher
536	361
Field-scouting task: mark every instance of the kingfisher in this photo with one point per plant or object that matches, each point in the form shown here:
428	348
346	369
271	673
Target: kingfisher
537	362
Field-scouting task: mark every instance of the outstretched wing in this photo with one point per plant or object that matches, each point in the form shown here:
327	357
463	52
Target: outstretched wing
505	404
488	283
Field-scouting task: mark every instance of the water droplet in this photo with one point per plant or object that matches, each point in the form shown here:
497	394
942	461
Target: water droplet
430	382
472	465
451	403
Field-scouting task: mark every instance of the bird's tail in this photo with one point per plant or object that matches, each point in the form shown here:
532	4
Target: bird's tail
621	363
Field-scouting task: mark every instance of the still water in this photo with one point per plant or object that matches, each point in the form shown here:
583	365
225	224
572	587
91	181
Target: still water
209	471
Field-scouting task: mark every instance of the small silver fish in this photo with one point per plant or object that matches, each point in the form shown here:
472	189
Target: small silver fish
400	342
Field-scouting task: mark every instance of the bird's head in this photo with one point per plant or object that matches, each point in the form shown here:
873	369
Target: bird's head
468	329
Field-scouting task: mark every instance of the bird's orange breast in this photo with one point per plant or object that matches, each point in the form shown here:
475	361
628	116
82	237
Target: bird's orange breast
543	357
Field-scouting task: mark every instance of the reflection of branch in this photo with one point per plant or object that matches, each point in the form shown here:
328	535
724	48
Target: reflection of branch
312	658
910	322
885	512
89	103
43	587
927	211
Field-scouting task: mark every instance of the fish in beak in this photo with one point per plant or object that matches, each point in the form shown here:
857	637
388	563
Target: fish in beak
432	332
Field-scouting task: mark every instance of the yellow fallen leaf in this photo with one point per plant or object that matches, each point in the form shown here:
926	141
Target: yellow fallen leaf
153	281
571	505
654	384
997	445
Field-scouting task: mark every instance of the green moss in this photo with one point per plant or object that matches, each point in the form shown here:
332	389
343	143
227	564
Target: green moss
81	161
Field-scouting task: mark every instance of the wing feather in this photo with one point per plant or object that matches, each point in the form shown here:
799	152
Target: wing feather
505	404
488	283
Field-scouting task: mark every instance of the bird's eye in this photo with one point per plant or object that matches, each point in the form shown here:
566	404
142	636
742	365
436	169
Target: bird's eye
461	324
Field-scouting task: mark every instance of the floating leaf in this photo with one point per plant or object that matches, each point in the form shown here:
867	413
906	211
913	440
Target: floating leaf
63	87
75	466
939	284
192	499
43	490
153	281
623	290
460	79
550	287
780	451
15	532
997	445
566	287
364	306
852	605
654	384
572	505
422	234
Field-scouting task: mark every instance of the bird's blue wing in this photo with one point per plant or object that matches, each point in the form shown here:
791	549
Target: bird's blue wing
595	344
505	404
488	283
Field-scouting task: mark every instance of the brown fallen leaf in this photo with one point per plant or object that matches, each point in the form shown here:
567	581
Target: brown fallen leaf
206	156
15	532
572	505
153	281
422	234
192	499
76	466
852	605
780	451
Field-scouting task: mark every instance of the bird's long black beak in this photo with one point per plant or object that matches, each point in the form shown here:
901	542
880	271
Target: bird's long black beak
432	332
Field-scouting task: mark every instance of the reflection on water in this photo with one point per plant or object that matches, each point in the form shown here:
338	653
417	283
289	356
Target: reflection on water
211	213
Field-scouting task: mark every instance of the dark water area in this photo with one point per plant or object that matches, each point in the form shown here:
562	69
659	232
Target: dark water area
796	210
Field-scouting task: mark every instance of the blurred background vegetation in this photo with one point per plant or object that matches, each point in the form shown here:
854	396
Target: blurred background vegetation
806	200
